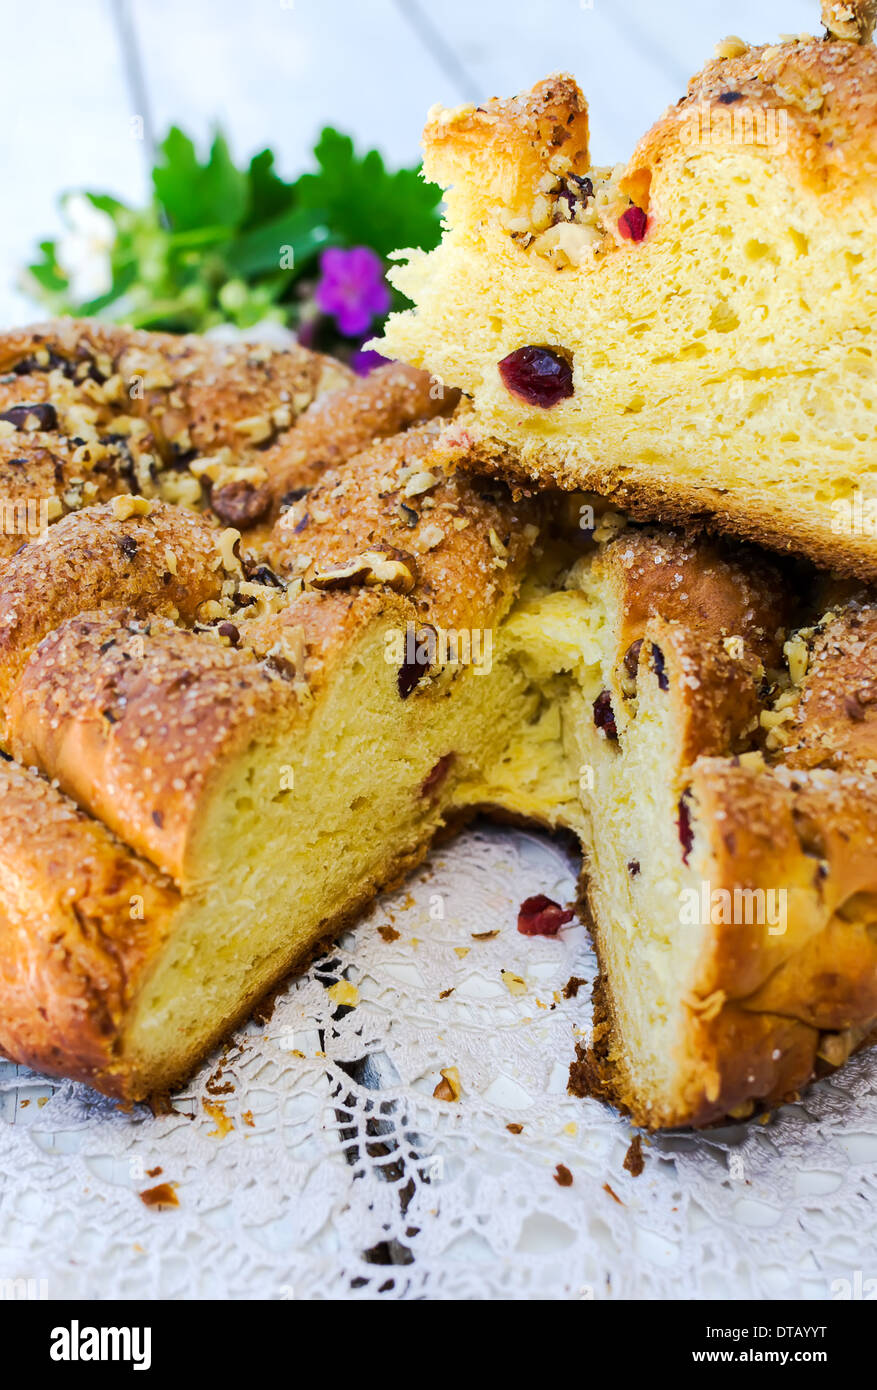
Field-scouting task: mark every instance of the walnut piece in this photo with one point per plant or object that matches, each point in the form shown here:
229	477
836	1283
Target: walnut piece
126	506
852	20
371	568
731	47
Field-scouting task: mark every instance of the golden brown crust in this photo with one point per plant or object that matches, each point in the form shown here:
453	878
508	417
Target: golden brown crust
80	919
769	1007
132	717
710	618
197	395
164	563
668	503
88	412
836	716
549	120
703	584
828	92
821	972
466	539
333	429
200	395
40	481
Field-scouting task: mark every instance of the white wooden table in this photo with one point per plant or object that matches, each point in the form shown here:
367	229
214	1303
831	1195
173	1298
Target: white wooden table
274	71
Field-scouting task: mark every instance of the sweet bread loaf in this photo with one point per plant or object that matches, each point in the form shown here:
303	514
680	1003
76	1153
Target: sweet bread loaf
691	333
217	749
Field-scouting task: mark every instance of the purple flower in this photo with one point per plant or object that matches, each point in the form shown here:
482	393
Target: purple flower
365	360
352	288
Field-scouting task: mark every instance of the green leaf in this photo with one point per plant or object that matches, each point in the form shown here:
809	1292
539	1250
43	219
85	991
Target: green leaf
47	273
269	194
367	205
194	194
287	243
104	202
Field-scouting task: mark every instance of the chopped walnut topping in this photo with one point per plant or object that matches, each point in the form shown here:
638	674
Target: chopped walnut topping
371	568
735	647
225	544
609	525
419	483
568	221
126	506
180	489
450	1087
429	538
210	610
496	545
706	1007
797	653
344	994
731	47
775	720
753	762
256	428
568	243
835	1048
515	984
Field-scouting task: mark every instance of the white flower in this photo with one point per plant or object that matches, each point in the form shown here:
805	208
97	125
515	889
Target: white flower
83	252
265	333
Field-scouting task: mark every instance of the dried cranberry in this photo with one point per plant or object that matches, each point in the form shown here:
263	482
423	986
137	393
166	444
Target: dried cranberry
632	224
539	375
436	776
631	658
541	916
659	664
43	412
417	660
683	824
604	715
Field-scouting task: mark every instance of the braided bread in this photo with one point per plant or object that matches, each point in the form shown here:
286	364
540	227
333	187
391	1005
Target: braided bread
217	748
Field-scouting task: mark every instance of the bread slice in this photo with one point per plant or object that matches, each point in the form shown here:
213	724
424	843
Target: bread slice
691	333
213	759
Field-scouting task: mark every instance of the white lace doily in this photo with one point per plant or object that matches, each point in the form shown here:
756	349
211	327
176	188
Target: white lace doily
337	1173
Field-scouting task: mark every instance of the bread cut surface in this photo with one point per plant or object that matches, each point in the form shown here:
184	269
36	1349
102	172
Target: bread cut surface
708	308
219	746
